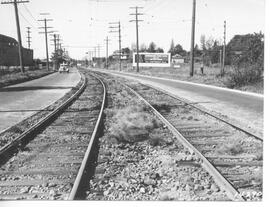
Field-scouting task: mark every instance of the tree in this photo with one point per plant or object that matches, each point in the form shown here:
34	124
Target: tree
197	51
126	50
143	48
250	48
159	50
172	48
178	49
246	53
203	42
152	47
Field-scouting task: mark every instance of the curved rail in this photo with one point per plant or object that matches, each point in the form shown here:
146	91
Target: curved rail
207	112
231	192
78	179
23	137
220	180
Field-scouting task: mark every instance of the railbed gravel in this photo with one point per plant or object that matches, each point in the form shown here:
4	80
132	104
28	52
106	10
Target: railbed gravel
226	147
46	167
156	168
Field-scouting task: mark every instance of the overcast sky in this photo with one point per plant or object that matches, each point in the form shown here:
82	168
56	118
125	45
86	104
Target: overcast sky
85	23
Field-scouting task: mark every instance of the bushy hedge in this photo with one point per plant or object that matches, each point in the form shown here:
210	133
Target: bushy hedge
249	66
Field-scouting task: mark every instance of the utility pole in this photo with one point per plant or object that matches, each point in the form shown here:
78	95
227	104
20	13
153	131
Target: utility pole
55	51
58	42
118	26
15	3
95	53
55	42
28	37
224	51
98	47
107	48
220	59
45	20
192	39
137	33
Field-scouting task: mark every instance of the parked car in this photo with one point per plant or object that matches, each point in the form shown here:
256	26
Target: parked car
63	68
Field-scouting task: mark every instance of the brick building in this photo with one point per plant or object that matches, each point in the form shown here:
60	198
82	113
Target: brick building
9	53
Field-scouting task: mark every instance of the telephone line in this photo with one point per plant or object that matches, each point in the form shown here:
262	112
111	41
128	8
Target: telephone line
107	43
137	33
118	27
28	37
45	20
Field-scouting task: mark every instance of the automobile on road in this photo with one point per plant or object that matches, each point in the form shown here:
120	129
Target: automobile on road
63	68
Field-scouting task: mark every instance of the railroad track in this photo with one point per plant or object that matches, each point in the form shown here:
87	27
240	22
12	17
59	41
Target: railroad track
53	155
231	156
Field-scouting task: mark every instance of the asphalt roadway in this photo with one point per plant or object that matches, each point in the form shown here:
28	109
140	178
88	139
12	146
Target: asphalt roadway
20	101
241	107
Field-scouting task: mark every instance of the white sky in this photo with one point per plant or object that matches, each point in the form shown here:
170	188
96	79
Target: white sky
84	23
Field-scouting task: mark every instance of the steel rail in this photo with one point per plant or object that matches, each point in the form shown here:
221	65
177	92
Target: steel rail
223	183
206	112
231	192
78	180
22	137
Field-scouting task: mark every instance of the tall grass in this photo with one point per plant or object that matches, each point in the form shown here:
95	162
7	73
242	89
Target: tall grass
132	123
18	77
242	76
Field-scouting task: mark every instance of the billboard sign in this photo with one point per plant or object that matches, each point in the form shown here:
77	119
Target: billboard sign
153	59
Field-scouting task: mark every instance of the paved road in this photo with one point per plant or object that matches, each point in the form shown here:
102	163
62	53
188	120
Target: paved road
244	108
22	100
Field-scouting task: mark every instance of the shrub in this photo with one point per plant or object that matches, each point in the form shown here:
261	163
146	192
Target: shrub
232	148
244	76
132	123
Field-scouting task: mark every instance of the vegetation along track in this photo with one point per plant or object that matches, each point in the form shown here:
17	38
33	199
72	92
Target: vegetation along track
140	159
237	156
48	163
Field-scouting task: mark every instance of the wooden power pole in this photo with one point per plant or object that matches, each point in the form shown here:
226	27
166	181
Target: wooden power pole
192	39
118	27
15	3
137	34
45	20
224	51
107	50
28	37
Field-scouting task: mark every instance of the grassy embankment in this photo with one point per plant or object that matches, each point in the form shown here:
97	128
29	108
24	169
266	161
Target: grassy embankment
210	77
15	77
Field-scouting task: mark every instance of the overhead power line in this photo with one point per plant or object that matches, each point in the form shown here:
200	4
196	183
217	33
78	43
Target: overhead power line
45	20
107	43
117	29
137	33
28	37
30	13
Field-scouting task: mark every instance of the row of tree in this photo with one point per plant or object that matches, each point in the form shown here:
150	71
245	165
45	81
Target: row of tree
240	49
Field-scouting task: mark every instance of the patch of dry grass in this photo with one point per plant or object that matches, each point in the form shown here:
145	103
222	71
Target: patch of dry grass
231	148
132	123
18	77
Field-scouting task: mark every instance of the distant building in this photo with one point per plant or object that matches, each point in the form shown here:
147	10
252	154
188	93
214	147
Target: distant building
9	52
177	60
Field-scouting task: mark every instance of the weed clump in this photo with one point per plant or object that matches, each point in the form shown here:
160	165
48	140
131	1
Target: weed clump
232	148
132	124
